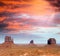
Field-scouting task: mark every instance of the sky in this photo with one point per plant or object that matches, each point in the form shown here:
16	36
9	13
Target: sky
26	20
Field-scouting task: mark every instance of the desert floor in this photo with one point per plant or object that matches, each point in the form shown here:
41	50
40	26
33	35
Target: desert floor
29	50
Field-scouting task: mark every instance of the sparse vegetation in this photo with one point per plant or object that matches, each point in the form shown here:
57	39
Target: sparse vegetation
26	50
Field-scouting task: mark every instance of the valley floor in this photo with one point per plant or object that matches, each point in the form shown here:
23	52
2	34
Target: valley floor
26	50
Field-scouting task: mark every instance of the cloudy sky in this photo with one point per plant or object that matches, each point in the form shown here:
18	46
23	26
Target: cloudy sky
26	20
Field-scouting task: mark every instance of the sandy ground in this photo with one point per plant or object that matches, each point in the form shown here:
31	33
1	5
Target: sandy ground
28	50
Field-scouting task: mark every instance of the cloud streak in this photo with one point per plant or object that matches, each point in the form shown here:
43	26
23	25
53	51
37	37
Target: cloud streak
14	15
55	3
6	14
13	6
2	4
19	0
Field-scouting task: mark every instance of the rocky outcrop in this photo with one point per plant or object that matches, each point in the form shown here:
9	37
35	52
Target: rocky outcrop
8	41
31	42
51	41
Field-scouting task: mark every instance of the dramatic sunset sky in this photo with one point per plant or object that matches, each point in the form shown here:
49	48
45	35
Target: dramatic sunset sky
26	20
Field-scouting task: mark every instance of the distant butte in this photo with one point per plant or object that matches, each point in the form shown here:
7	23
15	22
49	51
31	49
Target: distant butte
8	41
51	41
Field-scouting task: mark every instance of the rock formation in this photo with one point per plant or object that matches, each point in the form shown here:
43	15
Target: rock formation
51	41
8	41
31	42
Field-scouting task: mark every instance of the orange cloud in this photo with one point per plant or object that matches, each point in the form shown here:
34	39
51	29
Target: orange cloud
17	26
2	19
11	9
37	7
